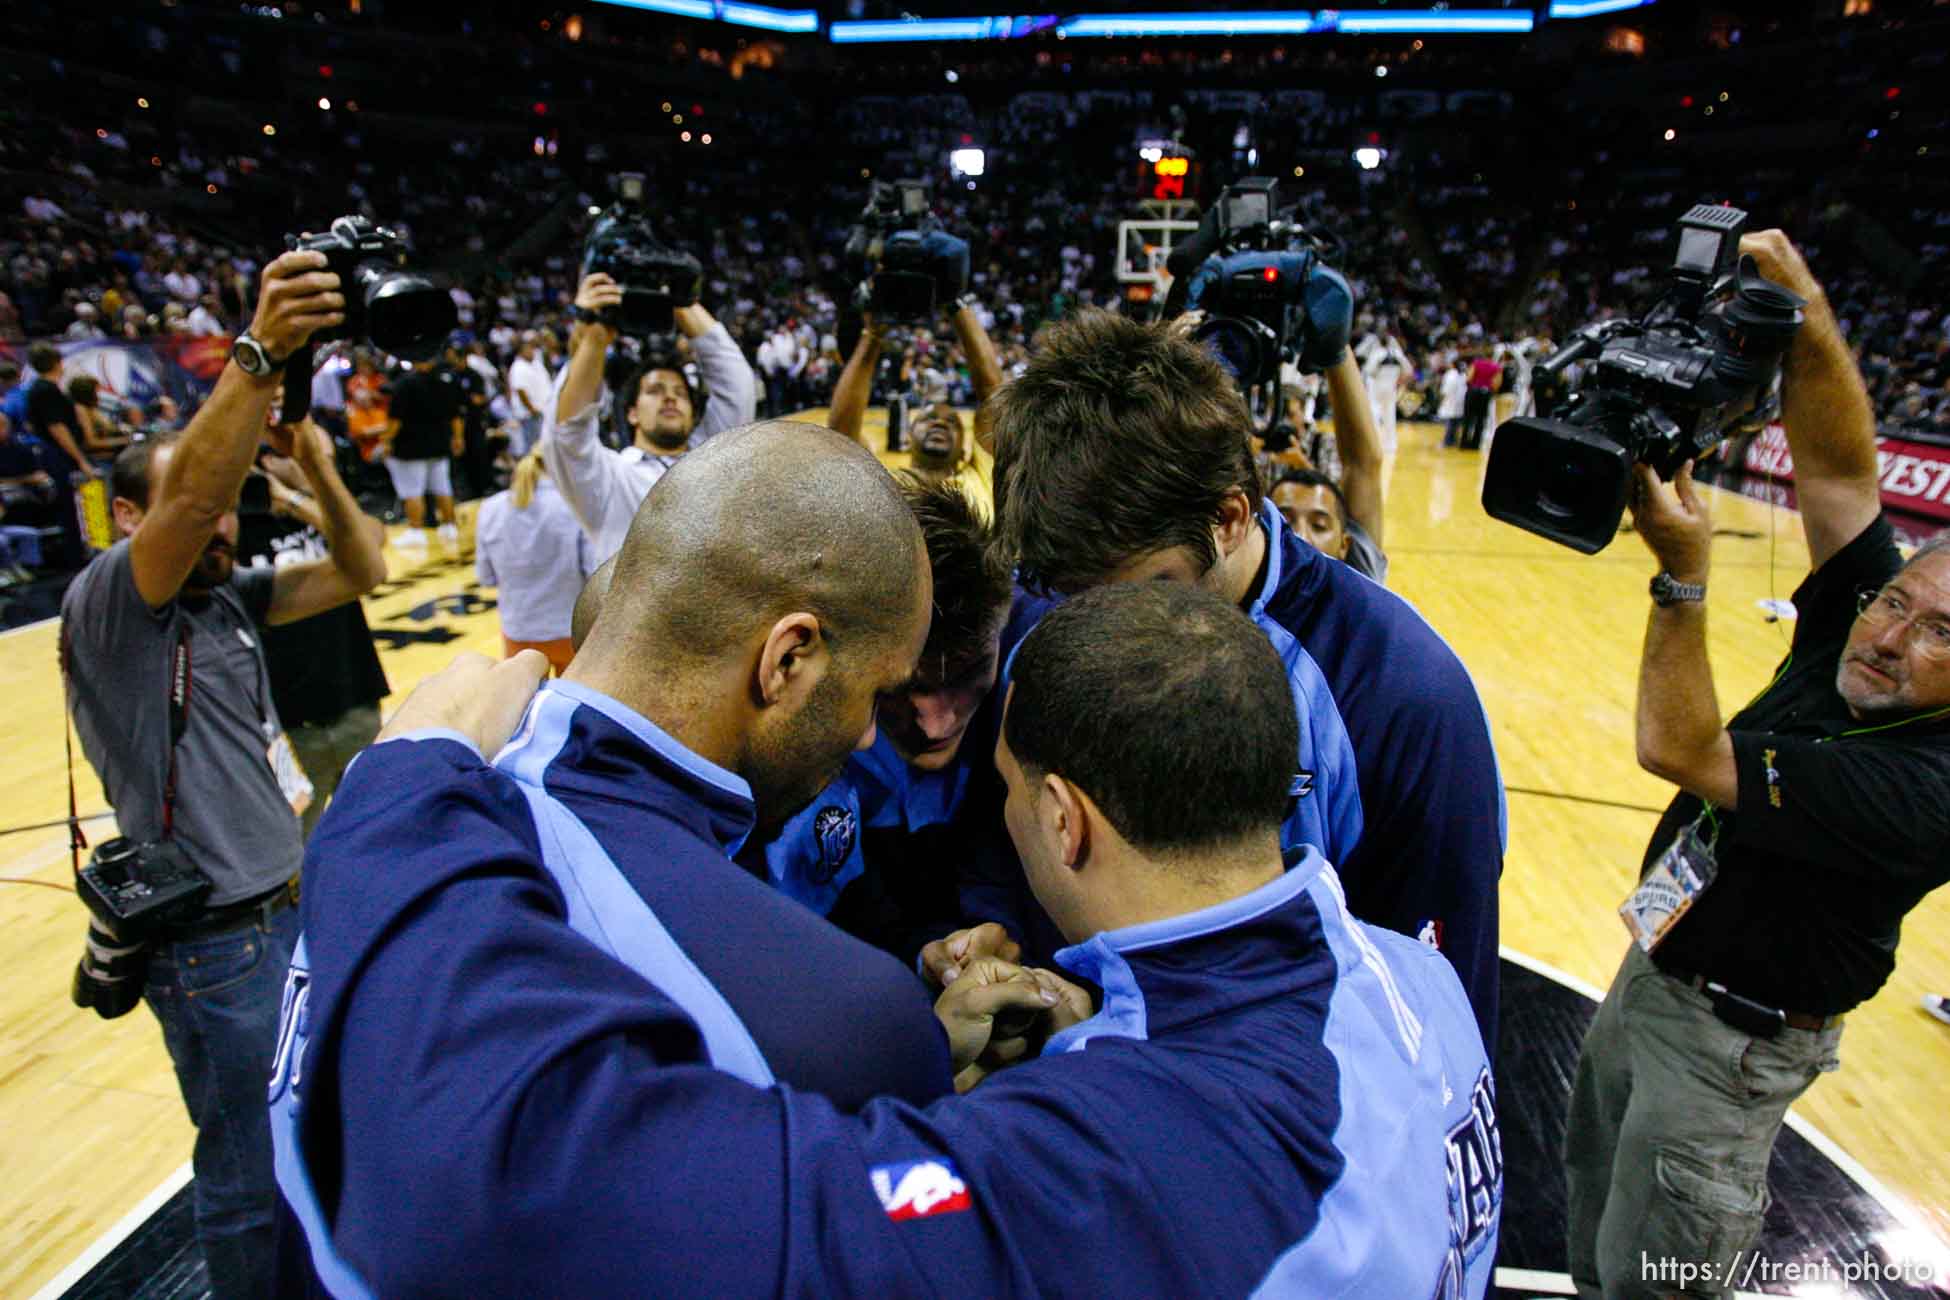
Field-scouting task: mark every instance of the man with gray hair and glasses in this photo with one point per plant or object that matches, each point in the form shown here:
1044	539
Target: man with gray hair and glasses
1773	892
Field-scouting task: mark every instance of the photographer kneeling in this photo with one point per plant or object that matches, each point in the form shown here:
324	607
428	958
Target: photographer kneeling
1806	827
167	684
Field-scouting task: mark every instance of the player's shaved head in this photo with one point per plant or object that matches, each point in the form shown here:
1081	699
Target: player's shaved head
589	602
762	521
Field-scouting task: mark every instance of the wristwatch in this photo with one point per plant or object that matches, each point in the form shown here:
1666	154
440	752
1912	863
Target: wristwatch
1668	590
253	358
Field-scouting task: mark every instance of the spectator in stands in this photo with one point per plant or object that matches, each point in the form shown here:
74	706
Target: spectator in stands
326	679
26	500
168	598
529	546
87	323
661	410
101	433
424	428
68	457
13	394
1121	456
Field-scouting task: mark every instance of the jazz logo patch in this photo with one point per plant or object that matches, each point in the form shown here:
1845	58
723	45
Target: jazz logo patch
1773	777
917	1189
834	829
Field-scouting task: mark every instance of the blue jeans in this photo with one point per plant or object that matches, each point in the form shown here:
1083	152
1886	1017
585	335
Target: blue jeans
217	998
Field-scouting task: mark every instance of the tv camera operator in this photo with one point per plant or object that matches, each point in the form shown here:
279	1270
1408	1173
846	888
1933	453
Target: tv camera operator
633	285
170	695
1806	826
908	269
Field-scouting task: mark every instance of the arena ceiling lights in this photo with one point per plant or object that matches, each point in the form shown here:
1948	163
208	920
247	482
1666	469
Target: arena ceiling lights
730	11
1260	22
1592	8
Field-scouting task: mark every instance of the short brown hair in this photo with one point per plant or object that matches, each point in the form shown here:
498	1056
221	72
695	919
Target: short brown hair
1119	440
972	587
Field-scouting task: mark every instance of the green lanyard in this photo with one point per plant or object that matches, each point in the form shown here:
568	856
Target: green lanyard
1707	813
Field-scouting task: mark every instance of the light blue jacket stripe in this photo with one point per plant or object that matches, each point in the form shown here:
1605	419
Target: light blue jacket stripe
287	1156
605	909
1393	1198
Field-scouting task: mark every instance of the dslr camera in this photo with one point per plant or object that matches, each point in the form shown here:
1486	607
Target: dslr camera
1704	361
1266	292
656	280
905	263
132	891
401	311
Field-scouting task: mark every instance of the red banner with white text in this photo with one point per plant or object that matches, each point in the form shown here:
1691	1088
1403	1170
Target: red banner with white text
1915	475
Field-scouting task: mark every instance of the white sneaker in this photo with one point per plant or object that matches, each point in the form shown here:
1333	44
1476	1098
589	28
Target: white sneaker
412	537
450	534
1937	1005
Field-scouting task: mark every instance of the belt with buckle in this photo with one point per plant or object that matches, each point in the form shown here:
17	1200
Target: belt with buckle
1792	1019
257	910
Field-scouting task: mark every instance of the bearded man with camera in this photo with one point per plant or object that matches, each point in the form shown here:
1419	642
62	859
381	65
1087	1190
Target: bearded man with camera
167	684
634	286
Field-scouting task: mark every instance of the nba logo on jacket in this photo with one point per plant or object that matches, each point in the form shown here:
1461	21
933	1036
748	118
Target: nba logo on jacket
917	1189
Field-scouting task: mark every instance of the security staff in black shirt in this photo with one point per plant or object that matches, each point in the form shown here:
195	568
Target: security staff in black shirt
1775	886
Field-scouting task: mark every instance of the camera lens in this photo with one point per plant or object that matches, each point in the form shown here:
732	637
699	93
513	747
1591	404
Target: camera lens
406	314
1245	347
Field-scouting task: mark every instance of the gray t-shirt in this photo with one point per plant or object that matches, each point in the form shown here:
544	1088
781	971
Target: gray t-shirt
1363	556
231	819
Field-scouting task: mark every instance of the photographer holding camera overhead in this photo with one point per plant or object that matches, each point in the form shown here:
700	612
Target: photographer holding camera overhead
632	284
909	269
1772	893
167	684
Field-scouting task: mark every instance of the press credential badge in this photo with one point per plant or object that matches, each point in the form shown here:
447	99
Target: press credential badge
1680	876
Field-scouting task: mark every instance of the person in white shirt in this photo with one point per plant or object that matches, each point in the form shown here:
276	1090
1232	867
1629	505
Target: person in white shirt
529	546
1383	363
1524	356
780	360
664	413
204	321
531	388
1450	400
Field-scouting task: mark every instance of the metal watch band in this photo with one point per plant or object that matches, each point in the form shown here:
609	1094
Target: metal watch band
1668	590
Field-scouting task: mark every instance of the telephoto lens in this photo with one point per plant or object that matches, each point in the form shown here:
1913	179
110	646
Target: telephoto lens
110	975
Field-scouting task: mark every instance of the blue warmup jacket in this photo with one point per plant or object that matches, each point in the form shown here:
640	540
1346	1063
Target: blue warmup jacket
1274	1100
519	923
1397	781
878	851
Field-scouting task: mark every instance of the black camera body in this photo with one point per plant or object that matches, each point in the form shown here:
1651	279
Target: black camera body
1659	391
402	312
904	261
134	890
1264	289
656	279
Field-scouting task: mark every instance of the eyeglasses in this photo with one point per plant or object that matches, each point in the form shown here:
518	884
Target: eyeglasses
1931	632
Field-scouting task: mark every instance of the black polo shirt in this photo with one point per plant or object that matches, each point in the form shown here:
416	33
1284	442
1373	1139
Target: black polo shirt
1837	836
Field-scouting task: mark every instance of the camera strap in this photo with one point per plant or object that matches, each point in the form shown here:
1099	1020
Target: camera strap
76	840
179	718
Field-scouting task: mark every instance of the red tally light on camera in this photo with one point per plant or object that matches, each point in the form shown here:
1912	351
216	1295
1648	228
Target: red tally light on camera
1271	275
1894	92
541	109
1687	102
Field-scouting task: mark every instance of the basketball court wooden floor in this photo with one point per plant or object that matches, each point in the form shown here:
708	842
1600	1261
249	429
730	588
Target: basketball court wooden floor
94	1143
